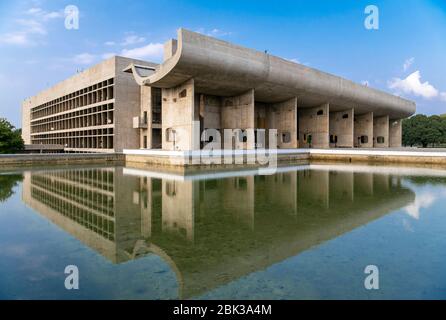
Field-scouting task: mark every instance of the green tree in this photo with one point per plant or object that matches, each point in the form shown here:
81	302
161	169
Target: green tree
10	138
424	131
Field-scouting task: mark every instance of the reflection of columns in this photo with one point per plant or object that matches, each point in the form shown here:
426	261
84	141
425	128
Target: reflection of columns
341	128
381	132
146	207
341	185
238	199
238	113
363	130
364	183
314	187
395	133
178	207
314	127
381	182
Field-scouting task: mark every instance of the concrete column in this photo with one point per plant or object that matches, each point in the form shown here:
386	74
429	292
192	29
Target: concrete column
314	127
381	132
363	130
178	114
238	113
283	117
341	129
395	133
146	106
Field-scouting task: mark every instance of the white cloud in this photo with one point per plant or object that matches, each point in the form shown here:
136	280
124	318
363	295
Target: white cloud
110	43
131	40
408	63
213	32
443	96
16	38
30	26
413	85
108	55
422	201
84	58
151	51
365	83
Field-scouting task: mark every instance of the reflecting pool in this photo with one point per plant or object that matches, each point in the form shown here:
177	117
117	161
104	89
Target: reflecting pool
306	232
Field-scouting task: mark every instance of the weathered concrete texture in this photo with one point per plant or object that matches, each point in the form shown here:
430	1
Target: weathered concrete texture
314	127
341	129
178	118
363	130
284	118
238	113
395	133
381	132
128	102
145	134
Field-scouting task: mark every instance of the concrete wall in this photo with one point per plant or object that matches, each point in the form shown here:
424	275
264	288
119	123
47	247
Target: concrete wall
341	127
127	106
178	114
363	126
310	123
238	113
283	117
381	129
395	133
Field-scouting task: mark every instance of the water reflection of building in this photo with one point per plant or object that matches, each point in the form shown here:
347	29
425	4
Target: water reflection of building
210	231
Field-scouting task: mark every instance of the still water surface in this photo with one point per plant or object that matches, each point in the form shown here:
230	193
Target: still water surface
305	232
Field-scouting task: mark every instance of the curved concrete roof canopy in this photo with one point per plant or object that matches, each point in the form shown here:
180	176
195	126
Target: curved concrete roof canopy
222	68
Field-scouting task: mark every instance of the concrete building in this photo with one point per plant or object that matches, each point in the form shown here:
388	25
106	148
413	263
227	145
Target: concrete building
205	83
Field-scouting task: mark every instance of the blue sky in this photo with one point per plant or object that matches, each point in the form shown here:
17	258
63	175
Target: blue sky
405	56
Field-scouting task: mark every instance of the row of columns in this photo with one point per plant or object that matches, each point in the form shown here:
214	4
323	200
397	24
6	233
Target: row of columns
186	114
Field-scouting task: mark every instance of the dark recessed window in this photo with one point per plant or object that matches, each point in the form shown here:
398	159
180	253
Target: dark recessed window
333	139
183	93
364	139
320	112
286	137
345	116
380	139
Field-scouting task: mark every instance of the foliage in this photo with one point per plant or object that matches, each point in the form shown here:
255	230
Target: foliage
424	131
10	138
7	183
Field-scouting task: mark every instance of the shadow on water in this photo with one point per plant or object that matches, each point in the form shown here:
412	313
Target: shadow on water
210	231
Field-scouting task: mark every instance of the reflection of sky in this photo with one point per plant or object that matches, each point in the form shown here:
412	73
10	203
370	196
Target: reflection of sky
34	253
425	197
411	264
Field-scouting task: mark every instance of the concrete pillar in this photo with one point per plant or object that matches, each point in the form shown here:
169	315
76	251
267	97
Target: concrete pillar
283	117
178	115
238	113
363	130
314	127
395	133
341	129
381	132
146	106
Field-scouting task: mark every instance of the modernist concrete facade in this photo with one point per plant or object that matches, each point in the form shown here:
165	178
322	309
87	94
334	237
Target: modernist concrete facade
205	83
